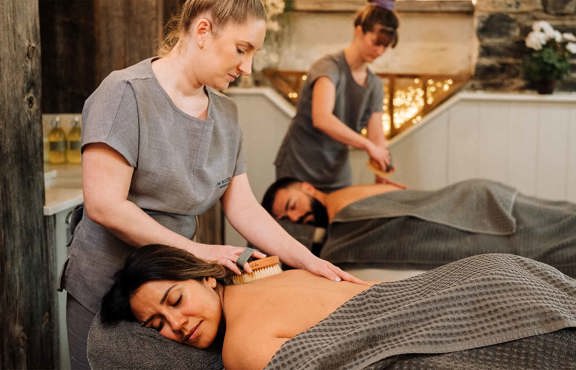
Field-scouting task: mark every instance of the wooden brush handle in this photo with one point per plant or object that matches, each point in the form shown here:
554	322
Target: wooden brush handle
375	168
378	172
264	262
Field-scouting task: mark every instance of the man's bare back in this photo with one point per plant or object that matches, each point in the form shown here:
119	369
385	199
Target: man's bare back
339	199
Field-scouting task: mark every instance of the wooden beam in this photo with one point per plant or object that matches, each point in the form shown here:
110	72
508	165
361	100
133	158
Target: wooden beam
28	338
435	6
402	6
327	5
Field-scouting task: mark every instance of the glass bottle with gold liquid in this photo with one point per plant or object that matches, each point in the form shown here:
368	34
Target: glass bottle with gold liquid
74	142
56	143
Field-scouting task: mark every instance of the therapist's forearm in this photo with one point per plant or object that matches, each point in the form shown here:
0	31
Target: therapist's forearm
252	221
135	227
257	226
333	127
376	130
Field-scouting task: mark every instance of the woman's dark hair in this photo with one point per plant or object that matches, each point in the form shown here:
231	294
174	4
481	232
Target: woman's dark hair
153	263
270	194
371	15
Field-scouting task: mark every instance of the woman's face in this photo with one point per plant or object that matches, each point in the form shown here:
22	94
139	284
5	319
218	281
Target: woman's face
229	49
373	43
184	311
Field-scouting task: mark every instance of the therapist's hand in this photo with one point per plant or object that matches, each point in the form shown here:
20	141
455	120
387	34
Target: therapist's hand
380	155
326	269
225	255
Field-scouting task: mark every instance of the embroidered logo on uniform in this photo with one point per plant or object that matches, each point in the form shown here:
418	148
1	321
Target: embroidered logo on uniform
223	183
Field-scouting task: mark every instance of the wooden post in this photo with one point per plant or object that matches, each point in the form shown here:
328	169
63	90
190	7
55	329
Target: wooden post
68	47
27	303
126	32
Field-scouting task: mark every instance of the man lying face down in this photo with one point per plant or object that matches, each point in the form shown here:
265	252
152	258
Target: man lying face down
384	225
301	202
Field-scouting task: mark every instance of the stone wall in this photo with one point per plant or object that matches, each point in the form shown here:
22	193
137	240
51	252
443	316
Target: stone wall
501	26
428	42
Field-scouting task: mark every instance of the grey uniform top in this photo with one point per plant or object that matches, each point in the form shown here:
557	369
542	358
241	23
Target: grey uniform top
308	153
182	166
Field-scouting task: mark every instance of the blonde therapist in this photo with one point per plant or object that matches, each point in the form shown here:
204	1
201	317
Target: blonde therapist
160	146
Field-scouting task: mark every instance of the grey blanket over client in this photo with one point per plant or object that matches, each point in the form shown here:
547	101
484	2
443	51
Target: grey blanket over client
488	311
425	229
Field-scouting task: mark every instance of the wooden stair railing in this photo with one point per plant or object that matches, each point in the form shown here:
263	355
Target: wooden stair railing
415	95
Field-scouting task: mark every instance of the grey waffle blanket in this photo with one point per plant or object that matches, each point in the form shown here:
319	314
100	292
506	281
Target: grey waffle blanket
488	311
426	229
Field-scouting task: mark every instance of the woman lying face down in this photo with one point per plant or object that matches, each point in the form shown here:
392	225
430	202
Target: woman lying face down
191	301
446	314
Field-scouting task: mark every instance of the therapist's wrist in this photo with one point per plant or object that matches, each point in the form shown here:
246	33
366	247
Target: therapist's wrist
368	146
305	259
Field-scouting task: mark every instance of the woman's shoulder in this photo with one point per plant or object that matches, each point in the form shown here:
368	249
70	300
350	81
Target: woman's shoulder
298	275
328	62
121	78
332	57
222	103
142	69
283	279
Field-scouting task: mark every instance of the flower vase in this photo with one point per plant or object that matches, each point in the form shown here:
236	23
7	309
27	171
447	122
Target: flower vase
545	87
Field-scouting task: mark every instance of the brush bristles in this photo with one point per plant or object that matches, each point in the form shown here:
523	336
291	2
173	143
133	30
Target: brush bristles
260	269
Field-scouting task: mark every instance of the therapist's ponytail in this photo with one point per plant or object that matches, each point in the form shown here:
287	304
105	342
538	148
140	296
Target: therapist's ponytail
221	12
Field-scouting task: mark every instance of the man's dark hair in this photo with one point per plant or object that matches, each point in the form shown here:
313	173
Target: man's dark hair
270	194
153	263
372	15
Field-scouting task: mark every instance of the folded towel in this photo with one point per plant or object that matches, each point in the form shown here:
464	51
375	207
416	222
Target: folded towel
480	301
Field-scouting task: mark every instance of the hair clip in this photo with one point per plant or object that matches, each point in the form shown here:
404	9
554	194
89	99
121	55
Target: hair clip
386	4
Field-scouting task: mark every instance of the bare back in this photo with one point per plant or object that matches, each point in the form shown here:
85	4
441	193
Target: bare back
262	315
339	199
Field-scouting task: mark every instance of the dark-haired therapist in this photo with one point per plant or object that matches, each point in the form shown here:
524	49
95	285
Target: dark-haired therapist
341	97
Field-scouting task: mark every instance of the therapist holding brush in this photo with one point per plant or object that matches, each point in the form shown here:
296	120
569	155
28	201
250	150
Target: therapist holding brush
341	96
160	146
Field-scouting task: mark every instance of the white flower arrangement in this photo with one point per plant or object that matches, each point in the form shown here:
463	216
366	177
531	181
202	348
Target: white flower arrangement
270	54
542	32
550	53
273	9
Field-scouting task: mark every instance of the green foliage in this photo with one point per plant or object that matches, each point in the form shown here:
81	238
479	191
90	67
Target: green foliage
549	63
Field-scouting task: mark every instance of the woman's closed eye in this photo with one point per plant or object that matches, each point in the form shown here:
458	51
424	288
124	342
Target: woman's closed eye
177	301
290	206
157	324
241	51
159	327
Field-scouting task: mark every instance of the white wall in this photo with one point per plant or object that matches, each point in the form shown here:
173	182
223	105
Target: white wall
264	116
524	140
